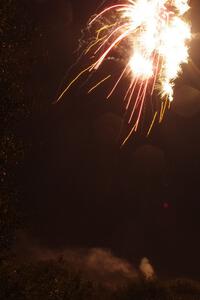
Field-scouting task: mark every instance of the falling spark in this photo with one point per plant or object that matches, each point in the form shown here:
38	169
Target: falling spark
153	38
152	123
100	82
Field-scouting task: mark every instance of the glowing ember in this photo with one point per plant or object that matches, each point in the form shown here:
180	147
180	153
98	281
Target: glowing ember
154	35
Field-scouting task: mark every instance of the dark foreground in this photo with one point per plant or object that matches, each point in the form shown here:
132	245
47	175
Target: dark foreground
55	280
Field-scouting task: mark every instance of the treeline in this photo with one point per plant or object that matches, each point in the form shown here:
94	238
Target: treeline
55	280
15	40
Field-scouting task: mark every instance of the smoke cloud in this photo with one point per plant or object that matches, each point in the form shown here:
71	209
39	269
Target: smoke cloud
95	263
147	269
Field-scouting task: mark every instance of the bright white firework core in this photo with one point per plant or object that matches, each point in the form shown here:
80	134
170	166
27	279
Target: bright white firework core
159	34
141	66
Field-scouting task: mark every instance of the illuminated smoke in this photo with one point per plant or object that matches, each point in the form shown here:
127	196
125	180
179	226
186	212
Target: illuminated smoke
95	263
147	269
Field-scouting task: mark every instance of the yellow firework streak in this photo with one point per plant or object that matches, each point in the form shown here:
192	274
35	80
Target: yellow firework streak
128	136
98	39
163	109
73	81
94	44
100	82
152	123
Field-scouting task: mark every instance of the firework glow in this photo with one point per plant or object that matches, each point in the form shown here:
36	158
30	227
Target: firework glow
152	37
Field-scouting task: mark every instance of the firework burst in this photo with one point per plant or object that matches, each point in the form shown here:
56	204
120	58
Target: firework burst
152	36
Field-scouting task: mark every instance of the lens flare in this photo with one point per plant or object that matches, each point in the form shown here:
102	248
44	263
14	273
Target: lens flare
151	37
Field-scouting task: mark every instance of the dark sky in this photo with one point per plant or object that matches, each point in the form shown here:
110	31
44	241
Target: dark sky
81	189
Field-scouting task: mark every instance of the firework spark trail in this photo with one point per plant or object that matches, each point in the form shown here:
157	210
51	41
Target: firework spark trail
100	82
152	36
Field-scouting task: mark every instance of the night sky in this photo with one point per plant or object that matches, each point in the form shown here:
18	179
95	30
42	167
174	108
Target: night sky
81	189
